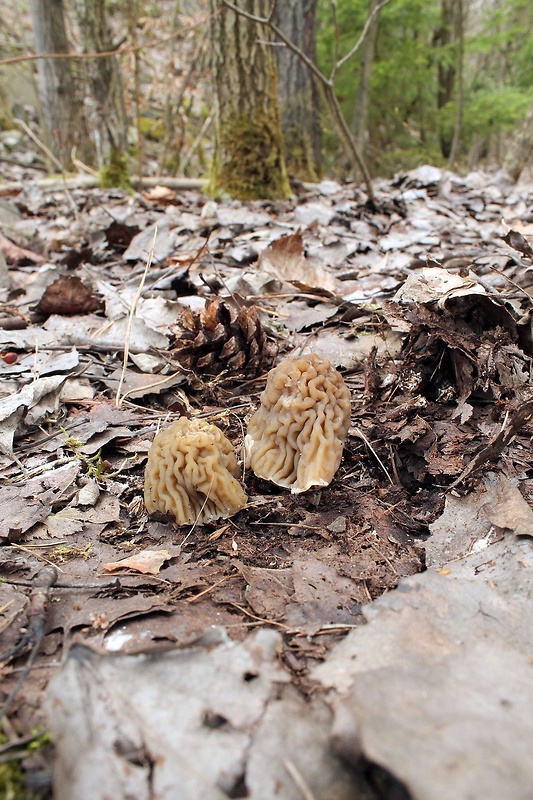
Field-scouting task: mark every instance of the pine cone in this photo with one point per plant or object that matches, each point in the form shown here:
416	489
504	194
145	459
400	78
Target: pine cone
222	339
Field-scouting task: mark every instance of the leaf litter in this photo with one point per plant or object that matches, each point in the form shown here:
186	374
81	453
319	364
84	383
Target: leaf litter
296	637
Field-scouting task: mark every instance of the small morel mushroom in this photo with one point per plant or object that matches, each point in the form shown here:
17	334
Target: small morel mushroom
192	473
296	436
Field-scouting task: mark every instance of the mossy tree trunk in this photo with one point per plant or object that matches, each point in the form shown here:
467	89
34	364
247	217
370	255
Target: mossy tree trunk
107	114
297	92
62	110
248	160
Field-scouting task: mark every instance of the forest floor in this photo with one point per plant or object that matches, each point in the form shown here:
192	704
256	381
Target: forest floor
370	639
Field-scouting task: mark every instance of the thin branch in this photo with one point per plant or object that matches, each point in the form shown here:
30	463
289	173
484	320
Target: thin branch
272	11
116	52
494	449
281	36
22	742
114	584
173	106
298	779
46	150
41	145
337	42
133	9
133	309
460	89
364	32
362	436
91	181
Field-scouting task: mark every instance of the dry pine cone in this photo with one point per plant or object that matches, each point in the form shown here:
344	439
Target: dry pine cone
222	339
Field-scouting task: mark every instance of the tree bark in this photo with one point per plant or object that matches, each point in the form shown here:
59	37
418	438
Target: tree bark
459	80
62	113
248	161
107	117
521	148
447	35
362	97
297	92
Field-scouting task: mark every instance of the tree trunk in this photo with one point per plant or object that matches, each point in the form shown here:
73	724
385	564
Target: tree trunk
248	161
297	92
454	149
521	148
61	112
447	35
107	118
362	97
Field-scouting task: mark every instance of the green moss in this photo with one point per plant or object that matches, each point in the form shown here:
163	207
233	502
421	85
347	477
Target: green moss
248	164
152	128
12	779
62	553
115	174
42	739
11	782
299	156
11	773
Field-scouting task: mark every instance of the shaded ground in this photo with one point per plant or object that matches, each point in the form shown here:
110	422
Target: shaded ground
423	305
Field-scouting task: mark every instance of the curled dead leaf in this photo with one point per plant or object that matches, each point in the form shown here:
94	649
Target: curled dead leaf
68	295
285	258
149	562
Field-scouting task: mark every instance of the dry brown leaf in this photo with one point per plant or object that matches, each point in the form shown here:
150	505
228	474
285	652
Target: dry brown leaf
68	295
160	194
507	508
149	562
285	258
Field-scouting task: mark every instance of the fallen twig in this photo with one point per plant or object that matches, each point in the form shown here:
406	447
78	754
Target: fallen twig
91	182
114	584
131	315
298	779
493	450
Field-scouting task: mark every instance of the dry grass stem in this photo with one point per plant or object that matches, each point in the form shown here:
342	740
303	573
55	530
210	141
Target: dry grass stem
131	315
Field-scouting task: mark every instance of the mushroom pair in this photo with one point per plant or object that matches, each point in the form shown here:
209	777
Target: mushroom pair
294	439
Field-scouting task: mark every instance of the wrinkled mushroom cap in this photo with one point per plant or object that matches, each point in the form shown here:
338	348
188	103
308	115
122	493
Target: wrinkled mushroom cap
296	436
192	473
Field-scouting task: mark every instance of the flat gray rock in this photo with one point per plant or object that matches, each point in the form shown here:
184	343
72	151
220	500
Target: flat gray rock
437	688
211	721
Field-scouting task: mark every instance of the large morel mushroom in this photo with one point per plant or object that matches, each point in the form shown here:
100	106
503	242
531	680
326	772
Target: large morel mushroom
296	436
192	473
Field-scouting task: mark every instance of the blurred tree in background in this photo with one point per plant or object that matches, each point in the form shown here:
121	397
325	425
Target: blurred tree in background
248	161
414	85
62	115
104	92
297	92
438	81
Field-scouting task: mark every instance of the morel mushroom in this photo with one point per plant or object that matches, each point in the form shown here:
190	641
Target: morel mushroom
296	436
192	473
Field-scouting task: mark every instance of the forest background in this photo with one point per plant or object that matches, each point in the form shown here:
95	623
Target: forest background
447	82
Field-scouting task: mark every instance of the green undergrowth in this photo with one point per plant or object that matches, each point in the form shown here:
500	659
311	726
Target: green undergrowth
11	772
